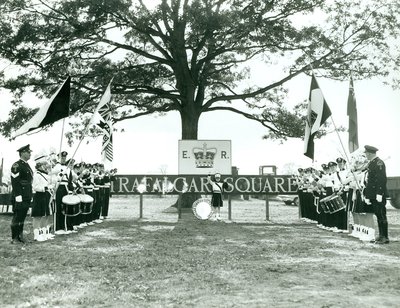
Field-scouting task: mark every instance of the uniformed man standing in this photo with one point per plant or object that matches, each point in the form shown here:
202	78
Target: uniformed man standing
375	191
21	181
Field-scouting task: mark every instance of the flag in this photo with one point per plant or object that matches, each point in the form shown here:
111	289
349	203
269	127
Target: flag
103	113
318	112
1	171
56	108
352	113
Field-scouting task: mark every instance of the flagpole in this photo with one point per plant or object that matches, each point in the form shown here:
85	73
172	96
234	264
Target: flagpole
354	176
62	136
90	122
56	187
344	150
55	191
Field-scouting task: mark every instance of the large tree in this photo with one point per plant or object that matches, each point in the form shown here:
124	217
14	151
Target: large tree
189	56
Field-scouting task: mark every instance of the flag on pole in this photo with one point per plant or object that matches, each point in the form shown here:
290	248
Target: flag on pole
103	112
1	171
318	112
56	108
353	123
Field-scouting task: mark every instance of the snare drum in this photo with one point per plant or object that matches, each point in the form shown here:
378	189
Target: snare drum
337	203
325	204
202	208
71	205
86	203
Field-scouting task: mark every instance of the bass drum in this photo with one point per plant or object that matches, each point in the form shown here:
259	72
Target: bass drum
202	208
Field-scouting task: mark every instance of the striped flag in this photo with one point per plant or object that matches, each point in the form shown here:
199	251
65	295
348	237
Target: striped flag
103	112
353	123
56	108
317	114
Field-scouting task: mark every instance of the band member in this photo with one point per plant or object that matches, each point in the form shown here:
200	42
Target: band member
21	181
355	204
339	175
62	172
327	181
301	190
343	173
98	188
218	187
77	188
375	191
311	184
41	206
319	194
108	178
88	186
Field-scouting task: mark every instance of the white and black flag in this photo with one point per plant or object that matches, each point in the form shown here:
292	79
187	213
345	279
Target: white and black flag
56	108
318	113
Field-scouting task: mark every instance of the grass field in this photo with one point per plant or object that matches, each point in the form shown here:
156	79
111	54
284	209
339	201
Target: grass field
160	261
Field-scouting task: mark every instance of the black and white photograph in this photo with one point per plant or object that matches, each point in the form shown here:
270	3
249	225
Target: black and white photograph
199	153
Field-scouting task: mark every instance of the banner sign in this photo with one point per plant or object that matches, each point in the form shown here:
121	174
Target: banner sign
177	184
204	157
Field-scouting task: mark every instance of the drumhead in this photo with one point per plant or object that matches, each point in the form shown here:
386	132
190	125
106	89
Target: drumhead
71	199
202	209
85	198
326	198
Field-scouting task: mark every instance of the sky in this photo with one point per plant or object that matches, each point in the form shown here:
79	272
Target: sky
149	145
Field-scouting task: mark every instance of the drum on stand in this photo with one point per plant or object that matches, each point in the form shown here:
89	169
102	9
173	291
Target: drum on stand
86	203
71	205
202	208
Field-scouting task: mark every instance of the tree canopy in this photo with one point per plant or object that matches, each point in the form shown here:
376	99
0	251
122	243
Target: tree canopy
190	56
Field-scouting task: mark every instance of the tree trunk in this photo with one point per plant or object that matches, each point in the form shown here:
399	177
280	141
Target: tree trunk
190	124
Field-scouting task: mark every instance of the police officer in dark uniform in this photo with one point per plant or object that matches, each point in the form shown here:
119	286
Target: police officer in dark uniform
21	181
375	191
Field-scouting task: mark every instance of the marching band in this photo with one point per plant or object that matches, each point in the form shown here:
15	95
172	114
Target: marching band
65	196
328	195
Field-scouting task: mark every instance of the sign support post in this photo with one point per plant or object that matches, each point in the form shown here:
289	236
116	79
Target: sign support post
229	207
141	206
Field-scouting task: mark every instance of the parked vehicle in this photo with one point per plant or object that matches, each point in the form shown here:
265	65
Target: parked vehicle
393	187
289	199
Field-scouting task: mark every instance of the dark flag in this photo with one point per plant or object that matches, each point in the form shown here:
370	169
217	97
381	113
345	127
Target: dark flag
353	123
318	113
1	171
55	109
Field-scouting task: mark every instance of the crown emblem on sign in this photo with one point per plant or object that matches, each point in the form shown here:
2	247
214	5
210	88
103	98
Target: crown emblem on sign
204	157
